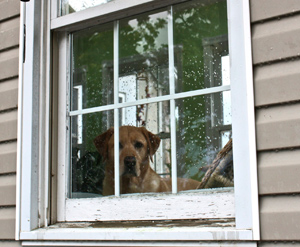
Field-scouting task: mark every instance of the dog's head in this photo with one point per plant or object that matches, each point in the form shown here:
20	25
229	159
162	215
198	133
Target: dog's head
136	146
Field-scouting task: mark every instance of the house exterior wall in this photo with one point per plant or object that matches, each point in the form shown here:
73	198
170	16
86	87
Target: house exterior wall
276	66
9	52
276	54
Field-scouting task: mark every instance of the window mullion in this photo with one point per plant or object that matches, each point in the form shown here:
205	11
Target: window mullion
116	110
172	101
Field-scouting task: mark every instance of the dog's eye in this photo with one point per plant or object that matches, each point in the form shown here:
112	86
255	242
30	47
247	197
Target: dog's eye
138	145
120	145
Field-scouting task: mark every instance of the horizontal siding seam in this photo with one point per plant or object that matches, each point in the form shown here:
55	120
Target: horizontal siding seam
281	243
278	194
9	48
279	60
9	18
267	105
8	110
8	207
279	149
8	141
10	174
9	78
274	18
6	174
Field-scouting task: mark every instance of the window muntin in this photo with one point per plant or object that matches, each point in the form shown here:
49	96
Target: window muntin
149	45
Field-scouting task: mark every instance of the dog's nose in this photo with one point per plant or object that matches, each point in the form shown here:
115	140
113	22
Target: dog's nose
130	161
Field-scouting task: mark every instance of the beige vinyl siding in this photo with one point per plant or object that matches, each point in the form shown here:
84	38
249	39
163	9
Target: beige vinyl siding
9	9
276	40
8	94
281	244
8	154
9	244
9	60
276	59
277	83
282	215
9	64
266	9
8	190
8	126
278	127
7	225
279	172
9	33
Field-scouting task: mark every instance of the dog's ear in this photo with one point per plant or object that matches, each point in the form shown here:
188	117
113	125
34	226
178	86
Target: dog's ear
153	142
101	143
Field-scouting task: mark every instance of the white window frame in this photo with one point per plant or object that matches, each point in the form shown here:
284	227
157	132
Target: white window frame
33	165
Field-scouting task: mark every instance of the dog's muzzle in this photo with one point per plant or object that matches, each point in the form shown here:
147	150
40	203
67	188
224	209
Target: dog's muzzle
130	165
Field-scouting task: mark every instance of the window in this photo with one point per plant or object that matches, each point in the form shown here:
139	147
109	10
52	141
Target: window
173	67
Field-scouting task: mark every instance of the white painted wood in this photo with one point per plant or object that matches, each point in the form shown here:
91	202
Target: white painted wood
116	111
20	122
48	117
172	101
139	243
26	128
243	119
189	205
44	115
94	12
33	115
63	129
55	9
141	234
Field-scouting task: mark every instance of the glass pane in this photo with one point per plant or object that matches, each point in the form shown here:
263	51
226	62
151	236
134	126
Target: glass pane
71	6
201	134
144	152
92	67
200	40
203	122
87	166
143	52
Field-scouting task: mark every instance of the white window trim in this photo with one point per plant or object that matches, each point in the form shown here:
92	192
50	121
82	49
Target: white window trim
32	208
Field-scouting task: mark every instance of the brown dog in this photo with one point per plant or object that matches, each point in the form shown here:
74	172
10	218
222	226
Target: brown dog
137	146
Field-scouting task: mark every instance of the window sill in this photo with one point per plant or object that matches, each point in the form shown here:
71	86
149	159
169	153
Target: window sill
206	230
